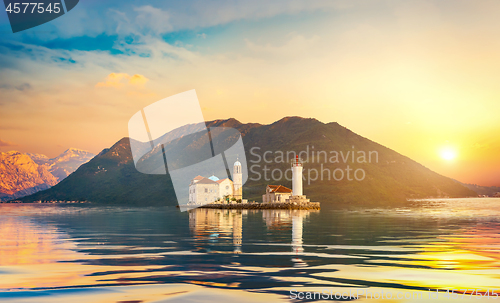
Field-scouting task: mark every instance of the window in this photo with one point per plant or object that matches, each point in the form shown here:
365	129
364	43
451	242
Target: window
206	190
227	186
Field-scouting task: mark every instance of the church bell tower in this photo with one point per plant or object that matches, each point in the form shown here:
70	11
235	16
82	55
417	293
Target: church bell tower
237	180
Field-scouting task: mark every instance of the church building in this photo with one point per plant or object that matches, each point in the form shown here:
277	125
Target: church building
204	190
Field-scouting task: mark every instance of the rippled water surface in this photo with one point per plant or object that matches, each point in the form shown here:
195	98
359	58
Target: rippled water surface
61	253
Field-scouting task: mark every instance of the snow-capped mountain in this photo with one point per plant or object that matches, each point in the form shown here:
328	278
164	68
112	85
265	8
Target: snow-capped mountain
21	176
64	164
25	174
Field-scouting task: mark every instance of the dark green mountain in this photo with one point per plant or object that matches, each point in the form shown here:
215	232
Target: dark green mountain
112	178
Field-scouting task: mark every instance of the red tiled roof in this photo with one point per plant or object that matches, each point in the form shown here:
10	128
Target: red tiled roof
198	177
220	181
279	189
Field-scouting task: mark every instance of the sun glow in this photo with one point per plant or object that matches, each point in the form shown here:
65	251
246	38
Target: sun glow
448	154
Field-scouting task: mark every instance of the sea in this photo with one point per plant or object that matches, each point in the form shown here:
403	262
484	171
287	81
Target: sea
434	250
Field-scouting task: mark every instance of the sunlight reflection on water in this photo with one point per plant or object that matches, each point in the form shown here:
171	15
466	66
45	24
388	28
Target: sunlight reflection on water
260	254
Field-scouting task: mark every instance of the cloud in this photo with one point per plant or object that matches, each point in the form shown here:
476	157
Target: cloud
153	19
138	80
20	87
350	67
6	143
295	46
126	18
13	127
119	80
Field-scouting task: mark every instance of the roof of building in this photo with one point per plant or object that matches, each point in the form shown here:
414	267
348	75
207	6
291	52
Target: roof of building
220	181
206	181
198	178
237	163
213	178
279	189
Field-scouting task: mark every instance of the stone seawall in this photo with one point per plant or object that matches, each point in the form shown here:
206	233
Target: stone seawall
306	205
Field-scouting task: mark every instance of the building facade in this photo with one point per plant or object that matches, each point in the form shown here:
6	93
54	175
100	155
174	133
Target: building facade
276	194
207	190
225	188
203	190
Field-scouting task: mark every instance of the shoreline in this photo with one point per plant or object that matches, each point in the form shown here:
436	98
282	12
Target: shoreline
255	205
45	202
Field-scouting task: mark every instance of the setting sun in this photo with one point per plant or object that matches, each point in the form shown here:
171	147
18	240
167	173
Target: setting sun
448	154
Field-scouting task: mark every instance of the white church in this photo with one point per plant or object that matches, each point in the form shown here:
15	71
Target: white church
204	190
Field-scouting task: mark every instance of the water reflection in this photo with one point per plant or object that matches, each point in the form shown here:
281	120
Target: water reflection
216	225
286	219
268	251
34	251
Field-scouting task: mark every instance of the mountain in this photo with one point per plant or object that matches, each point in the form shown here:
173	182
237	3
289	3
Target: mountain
21	176
64	164
25	174
482	190
111	176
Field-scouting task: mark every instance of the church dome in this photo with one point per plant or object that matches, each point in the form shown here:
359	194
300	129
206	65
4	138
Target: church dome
214	178
237	163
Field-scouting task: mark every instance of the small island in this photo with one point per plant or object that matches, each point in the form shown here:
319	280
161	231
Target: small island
257	205
227	194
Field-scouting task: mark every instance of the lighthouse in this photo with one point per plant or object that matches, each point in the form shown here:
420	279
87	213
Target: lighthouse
297	177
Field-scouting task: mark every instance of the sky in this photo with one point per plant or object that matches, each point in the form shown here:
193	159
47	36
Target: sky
420	77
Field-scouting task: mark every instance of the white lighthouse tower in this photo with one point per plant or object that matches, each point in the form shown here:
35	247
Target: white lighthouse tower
297	177
237	180
297	196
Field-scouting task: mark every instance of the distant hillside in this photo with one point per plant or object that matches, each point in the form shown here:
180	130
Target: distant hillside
112	178
482	190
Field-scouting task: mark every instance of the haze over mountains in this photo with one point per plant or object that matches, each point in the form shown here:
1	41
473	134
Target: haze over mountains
112	178
25	174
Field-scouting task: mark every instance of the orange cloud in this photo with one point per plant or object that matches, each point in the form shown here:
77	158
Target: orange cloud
6	143
118	80
138	80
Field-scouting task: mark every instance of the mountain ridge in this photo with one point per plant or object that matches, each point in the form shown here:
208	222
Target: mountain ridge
20	175
65	163
27	173
489	191
111	176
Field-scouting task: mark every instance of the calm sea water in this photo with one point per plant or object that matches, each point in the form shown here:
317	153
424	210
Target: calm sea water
66	253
